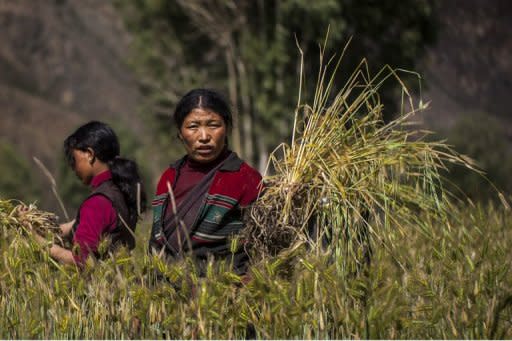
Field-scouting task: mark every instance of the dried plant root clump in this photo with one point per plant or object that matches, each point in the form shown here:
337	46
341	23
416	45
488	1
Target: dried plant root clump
272	227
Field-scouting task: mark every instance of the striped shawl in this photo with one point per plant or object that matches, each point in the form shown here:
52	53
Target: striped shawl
235	185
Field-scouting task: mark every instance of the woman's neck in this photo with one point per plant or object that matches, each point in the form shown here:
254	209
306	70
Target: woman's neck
99	167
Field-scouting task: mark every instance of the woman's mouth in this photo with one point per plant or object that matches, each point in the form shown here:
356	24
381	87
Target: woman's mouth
204	150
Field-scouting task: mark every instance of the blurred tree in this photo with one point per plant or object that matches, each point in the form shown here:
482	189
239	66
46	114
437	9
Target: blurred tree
17	180
483	138
247	49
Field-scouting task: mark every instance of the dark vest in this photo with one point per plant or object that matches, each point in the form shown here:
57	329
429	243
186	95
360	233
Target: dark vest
120	235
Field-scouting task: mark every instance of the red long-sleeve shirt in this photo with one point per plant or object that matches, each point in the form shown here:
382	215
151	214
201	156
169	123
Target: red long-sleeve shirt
97	217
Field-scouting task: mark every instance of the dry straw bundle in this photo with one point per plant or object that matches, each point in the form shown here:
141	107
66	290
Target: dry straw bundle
348	179
29	218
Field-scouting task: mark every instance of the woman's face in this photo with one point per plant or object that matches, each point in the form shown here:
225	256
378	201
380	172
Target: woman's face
203	133
82	165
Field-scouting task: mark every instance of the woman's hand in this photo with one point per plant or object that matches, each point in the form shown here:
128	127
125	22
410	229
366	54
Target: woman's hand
39	239
22	210
66	228
57	252
21	213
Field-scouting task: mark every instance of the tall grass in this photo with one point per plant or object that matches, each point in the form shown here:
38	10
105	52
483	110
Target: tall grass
455	285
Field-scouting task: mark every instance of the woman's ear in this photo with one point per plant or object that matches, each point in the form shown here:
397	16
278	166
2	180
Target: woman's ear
91	157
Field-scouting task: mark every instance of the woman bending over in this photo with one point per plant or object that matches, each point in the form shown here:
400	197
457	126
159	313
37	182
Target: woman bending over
111	209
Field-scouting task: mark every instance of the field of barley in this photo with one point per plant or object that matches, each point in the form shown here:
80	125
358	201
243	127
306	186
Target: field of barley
455	285
355	237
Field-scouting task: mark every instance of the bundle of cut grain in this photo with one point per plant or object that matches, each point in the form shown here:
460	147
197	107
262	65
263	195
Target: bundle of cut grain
348	179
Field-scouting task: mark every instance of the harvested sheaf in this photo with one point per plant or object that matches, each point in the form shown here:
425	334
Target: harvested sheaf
28	218
349	179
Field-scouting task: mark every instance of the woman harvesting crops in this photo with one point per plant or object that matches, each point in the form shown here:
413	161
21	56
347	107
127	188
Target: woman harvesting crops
111	208
198	201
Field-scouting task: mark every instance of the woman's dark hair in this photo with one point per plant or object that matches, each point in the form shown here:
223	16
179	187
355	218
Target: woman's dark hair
103	141
203	99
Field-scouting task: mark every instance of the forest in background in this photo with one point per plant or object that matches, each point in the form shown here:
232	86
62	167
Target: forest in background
128	62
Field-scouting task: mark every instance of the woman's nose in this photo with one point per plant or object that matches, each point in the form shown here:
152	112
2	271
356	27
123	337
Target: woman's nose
204	135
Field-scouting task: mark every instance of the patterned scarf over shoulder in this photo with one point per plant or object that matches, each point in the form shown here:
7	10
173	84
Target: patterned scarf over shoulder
210	213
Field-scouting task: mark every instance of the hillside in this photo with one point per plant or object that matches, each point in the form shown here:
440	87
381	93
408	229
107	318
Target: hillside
62	63
469	69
